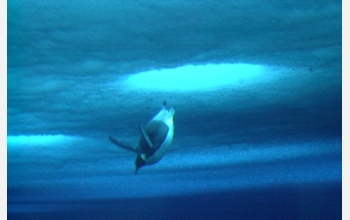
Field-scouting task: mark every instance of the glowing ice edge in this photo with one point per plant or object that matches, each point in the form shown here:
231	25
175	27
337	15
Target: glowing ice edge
198	78
38	140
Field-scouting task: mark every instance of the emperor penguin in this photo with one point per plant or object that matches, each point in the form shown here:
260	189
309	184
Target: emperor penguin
155	138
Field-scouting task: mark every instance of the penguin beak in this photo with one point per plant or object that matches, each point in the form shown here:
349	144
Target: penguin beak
137	169
139	162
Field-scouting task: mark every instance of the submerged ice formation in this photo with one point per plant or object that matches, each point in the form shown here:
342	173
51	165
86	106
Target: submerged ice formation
197	77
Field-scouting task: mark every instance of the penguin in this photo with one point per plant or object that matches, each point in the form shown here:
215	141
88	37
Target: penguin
155	138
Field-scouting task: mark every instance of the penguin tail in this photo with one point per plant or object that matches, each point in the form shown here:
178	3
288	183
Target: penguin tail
122	145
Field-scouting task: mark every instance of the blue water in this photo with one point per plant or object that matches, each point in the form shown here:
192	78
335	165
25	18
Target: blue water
259	139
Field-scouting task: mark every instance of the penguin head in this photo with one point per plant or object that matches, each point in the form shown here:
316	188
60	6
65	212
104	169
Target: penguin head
139	162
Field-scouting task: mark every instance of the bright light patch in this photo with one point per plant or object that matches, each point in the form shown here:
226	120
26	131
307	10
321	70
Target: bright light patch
37	140
202	77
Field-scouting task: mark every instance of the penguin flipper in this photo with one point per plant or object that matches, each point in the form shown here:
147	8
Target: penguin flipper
122	145
145	136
